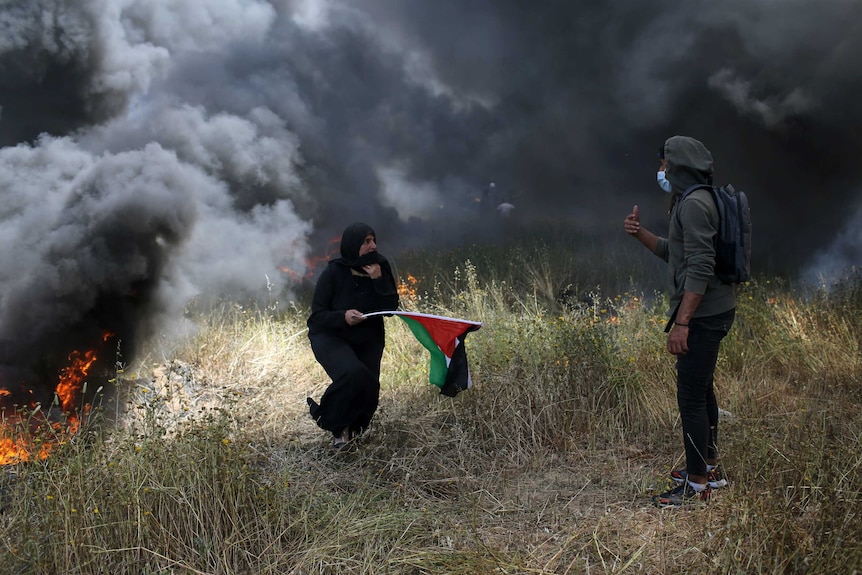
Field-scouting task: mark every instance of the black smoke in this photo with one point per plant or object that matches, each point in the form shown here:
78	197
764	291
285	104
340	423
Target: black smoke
155	152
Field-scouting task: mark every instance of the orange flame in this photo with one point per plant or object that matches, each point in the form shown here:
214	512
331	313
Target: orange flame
407	288
18	445
20	449
71	380
311	263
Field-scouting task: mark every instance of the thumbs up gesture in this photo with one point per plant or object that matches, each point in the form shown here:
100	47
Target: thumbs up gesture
632	223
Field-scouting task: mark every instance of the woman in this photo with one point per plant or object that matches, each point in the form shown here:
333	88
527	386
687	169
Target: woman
348	345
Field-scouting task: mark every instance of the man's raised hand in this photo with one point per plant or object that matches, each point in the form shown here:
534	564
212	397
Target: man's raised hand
632	223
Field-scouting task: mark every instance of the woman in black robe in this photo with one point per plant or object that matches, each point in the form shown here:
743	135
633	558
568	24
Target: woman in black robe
348	345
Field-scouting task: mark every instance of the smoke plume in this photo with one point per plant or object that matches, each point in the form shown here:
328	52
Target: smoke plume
158	151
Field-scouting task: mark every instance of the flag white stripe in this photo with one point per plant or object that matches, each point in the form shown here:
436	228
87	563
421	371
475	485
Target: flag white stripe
428	315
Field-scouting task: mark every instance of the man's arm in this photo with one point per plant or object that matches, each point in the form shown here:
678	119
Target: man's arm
677	339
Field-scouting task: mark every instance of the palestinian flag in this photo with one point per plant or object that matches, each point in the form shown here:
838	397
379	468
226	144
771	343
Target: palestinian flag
443	337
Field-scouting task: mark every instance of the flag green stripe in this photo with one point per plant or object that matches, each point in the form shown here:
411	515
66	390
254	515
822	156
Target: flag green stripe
438	367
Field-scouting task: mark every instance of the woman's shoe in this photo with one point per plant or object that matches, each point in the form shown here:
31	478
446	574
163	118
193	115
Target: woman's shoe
339	444
343	441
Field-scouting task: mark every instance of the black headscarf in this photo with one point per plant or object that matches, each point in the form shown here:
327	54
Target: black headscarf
351	240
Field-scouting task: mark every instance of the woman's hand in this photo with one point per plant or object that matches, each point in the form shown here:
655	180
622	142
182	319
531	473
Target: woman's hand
373	270
353	317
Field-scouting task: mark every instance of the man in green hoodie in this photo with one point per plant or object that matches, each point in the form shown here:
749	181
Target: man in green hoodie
702	309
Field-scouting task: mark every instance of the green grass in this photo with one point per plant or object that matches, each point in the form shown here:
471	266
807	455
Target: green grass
545	466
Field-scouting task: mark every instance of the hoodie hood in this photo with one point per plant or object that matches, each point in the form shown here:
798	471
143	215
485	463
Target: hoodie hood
688	162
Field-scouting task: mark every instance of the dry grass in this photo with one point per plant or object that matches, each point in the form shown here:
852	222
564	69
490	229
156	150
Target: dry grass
546	466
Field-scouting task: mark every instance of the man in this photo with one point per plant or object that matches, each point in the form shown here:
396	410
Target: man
702	311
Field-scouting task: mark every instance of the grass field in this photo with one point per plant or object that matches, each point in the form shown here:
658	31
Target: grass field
206	460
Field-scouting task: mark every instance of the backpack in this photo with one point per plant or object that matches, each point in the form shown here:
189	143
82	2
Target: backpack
733	241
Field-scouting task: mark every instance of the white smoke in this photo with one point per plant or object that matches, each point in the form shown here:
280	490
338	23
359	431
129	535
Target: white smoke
839	259
410	199
772	112
36	183
112	224
192	26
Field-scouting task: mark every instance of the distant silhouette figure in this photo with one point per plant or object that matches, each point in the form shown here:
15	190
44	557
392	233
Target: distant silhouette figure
505	210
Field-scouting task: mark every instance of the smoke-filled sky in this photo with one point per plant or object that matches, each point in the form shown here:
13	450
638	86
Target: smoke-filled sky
169	149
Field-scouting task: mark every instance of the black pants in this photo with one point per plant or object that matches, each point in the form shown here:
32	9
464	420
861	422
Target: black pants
351	399
695	393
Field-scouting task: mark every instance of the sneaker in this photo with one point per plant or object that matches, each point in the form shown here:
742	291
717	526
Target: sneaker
714	478
682	495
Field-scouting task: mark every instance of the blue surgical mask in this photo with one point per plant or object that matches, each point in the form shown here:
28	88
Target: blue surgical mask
662	181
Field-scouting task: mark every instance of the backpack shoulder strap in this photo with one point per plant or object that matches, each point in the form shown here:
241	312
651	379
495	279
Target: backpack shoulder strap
693	188
687	192
712	192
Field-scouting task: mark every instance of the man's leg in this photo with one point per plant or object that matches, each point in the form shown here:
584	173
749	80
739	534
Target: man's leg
698	407
712	414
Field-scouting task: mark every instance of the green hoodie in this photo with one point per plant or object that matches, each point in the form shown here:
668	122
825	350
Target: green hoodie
689	248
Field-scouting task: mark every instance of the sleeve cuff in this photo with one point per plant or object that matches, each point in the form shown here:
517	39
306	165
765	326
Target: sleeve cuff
695	285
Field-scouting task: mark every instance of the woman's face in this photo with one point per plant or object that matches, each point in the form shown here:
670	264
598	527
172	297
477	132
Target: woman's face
369	245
